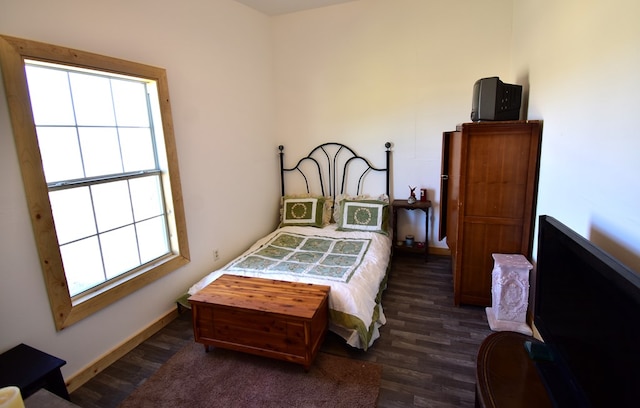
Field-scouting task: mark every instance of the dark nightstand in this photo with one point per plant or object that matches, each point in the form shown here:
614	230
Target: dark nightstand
418	205
30	369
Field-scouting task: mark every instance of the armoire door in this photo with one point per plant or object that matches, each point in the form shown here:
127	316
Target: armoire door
444	186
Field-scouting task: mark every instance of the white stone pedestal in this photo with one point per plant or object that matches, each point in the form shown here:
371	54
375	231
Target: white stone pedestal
510	293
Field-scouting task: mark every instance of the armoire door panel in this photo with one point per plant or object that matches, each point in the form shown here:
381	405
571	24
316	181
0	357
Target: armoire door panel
453	189
496	178
480	241
444	185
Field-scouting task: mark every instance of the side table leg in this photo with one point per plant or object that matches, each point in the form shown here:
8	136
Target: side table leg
426	235
55	384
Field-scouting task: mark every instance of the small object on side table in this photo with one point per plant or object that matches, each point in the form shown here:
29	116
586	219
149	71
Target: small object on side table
412	196
10	397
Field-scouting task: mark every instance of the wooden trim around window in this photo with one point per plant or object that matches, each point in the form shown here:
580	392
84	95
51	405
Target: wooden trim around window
13	52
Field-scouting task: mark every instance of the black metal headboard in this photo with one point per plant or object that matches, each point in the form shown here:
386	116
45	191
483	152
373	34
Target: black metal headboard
331	166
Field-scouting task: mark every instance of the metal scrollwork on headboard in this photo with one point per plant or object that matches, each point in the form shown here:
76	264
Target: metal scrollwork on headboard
330	165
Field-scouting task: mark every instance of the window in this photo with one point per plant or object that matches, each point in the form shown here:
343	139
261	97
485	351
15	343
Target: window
96	148
97	144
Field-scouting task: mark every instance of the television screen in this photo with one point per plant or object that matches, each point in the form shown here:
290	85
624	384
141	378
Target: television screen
587	309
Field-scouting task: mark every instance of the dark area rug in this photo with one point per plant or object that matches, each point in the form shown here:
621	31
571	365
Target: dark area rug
223	378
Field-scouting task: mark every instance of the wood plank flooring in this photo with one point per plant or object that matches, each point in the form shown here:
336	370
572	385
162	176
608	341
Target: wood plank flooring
427	348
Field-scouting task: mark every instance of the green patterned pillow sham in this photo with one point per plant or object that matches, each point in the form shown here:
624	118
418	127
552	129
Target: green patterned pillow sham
303	211
364	215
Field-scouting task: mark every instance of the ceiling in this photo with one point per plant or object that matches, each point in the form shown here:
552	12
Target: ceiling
277	7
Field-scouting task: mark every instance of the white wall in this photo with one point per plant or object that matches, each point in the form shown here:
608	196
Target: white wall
362	73
372	71
218	58
375	70
582	62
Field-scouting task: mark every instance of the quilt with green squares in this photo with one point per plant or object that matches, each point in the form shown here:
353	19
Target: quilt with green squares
302	255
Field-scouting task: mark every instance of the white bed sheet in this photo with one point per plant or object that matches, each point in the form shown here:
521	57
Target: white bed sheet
357	297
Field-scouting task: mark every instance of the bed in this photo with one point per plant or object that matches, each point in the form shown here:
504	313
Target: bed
332	233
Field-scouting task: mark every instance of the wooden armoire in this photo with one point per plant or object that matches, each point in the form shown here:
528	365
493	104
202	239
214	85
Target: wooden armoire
488	197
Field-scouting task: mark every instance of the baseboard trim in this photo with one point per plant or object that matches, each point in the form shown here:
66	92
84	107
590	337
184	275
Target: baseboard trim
439	251
87	373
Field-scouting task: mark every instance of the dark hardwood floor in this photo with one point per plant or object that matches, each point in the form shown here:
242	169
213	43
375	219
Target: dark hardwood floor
427	348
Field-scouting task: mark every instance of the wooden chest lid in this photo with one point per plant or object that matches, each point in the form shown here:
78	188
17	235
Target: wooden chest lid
268	295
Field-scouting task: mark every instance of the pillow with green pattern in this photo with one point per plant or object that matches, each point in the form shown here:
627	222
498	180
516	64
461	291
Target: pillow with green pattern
303	211
362	197
364	215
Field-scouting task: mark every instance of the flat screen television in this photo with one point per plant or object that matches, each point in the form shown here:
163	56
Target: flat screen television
587	310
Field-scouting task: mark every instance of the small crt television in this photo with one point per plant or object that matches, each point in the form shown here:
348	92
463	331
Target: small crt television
495	100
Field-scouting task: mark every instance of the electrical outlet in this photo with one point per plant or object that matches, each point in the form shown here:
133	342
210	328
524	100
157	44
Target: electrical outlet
216	255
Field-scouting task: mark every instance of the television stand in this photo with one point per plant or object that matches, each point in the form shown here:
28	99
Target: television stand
506	376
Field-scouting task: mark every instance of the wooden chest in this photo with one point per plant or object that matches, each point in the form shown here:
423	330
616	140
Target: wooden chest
283	320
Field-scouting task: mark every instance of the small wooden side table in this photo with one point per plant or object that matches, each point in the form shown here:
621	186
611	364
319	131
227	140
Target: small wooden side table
418	205
30	369
506	376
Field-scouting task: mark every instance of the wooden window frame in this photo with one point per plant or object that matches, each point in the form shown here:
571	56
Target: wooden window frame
65	310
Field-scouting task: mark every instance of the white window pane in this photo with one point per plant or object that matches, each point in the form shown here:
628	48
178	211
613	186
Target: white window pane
72	214
146	197
82	265
112	205
152	238
137	149
92	100
130	100
120	251
100	151
60	153
50	96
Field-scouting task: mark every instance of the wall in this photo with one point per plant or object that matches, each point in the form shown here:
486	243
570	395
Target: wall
362	73
372	71
218	58
581	61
